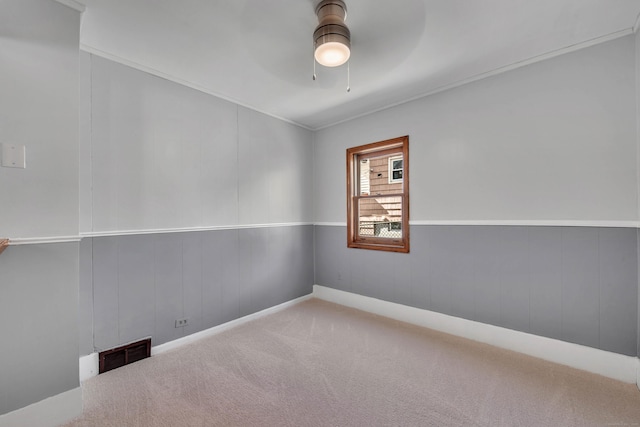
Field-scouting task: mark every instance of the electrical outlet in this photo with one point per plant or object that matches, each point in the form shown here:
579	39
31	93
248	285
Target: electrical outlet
180	323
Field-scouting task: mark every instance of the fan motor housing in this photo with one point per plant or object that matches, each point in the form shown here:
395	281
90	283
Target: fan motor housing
331	27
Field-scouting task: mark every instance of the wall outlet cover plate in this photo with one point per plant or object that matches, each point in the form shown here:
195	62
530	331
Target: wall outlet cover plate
13	156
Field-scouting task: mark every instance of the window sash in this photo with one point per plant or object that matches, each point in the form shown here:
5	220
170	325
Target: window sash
375	227
397	239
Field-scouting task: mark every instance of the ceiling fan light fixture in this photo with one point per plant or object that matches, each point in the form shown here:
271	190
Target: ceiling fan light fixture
331	38
332	54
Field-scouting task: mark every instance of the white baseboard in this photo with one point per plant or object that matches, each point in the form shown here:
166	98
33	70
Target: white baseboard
225	326
612	365
89	365
49	412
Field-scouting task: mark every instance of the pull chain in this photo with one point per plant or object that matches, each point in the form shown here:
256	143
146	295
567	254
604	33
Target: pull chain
314	62
314	77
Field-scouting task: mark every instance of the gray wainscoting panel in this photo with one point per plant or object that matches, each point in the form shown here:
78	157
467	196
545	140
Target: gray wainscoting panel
577	284
419	273
220	277
38	323
462	283
169	291
332	264
515	278
580	286
85	314
142	283
440	258
617	262
301	256
255	274
488	271
137	287
192	283
106	321
545	296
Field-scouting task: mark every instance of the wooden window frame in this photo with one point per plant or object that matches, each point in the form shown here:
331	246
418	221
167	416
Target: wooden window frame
398	145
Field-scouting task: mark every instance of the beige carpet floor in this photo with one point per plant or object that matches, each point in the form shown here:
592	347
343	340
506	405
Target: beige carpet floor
320	364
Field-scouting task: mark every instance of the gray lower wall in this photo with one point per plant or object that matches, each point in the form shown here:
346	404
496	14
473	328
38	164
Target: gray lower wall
38	323
137	286
576	284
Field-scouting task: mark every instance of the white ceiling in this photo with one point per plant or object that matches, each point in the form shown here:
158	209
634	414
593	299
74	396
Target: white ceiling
258	53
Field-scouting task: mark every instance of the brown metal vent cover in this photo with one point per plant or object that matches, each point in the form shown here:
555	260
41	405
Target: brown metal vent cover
120	356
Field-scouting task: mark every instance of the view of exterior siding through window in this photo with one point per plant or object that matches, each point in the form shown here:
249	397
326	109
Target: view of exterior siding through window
378	195
380	176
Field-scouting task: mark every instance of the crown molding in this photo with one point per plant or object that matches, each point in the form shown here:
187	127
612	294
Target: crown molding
491	73
73	5
145	69
637	24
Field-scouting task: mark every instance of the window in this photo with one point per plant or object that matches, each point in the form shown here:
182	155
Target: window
378	195
395	169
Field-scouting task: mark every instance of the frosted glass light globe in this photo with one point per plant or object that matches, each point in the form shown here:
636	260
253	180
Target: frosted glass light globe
332	54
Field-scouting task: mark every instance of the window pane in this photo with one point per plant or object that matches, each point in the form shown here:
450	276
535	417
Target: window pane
364	177
376	175
395	170
380	217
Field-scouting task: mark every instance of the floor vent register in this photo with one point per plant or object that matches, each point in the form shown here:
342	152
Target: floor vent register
120	356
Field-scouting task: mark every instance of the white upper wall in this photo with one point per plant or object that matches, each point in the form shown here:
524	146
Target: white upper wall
555	140
39	109
159	156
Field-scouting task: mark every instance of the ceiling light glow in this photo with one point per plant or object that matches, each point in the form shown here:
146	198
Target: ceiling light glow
332	54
